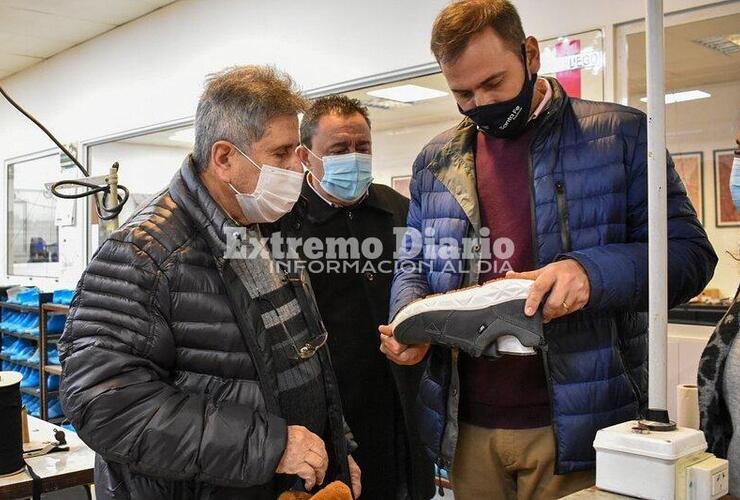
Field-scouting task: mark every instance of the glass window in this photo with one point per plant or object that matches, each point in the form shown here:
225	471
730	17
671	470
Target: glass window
578	62
33	231
147	163
702	120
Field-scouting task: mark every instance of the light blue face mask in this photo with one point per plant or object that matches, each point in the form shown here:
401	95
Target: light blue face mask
735	181
346	177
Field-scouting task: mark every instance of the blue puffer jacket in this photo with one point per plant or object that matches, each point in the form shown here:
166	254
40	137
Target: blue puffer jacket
588	168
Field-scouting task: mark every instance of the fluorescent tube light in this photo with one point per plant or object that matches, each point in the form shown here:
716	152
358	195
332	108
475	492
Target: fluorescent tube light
687	95
407	93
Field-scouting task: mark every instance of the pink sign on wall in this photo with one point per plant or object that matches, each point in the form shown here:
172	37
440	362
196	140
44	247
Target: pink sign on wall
577	61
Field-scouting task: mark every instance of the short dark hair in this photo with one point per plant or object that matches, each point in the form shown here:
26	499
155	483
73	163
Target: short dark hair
338	104
460	21
236	105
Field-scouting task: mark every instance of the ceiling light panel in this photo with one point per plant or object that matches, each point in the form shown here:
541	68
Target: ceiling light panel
407	93
687	95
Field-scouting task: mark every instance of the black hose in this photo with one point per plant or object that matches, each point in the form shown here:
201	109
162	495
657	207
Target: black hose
93	189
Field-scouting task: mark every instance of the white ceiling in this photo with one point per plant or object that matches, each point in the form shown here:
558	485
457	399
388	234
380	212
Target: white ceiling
688	64
33	30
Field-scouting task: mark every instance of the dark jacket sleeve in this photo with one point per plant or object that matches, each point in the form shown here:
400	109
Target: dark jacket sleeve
618	272
118	360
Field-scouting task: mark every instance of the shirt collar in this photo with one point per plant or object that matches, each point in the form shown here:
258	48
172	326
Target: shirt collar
319	209
310	176
545	102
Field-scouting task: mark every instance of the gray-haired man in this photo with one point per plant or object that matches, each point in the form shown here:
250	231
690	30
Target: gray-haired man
188	373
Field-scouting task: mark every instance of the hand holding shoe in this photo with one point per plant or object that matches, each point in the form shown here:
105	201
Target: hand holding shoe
399	353
567	284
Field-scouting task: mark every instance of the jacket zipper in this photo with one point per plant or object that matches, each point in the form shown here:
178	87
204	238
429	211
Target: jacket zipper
619	346
447	455
563	213
633	384
544	347
532	218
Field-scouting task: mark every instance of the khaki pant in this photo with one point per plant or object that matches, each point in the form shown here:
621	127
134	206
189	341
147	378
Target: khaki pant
510	464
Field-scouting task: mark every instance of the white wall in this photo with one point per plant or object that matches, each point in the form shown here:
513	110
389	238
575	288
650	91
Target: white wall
150	71
685	346
394	150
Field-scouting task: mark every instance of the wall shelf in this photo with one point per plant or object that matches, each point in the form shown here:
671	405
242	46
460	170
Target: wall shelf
6	357
45	309
25	336
33	391
47	370
53	370
19	307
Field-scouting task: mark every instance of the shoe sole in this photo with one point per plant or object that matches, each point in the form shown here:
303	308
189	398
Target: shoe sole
493	310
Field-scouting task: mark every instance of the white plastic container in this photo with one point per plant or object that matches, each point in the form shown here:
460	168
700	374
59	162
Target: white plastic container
647	465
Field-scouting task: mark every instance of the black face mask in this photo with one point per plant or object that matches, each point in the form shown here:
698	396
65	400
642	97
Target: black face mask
506	119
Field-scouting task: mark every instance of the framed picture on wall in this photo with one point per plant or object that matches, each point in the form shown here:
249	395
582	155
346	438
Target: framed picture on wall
690	168
401	184
725	207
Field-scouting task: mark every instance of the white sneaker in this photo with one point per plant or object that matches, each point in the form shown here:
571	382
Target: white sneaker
481	320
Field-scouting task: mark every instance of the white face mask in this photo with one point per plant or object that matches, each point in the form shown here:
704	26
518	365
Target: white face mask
276	192
735	181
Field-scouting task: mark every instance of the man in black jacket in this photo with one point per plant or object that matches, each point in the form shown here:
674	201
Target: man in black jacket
190	374
341	209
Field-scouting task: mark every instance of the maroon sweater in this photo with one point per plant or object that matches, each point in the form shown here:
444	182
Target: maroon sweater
509	392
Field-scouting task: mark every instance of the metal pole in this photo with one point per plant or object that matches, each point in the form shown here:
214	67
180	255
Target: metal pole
657	211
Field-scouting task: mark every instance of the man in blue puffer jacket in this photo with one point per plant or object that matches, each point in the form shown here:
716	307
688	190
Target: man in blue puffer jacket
560	184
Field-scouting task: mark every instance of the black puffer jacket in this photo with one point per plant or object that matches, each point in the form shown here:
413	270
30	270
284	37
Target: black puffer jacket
162	377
